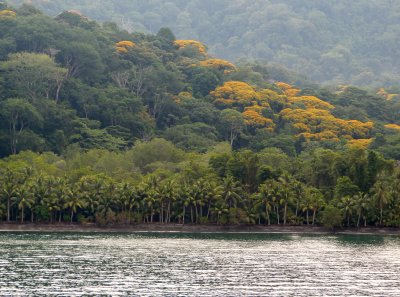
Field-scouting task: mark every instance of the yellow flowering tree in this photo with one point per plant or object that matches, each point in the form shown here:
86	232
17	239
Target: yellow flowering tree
7	14
218	64
123	46
235	94
246	99
393	127
181	44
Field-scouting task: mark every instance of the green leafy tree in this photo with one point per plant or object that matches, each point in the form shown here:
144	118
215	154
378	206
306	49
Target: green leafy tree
19	114
232	122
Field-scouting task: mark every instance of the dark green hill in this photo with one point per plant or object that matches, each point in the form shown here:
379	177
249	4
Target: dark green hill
331	42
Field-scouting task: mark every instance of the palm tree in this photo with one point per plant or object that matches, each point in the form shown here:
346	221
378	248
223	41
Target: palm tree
230	192
92	189
316	202
298	191
306	206
24	199
362	204
107	200
54	200
264	196
185	200
74	201
219	210
285	190
274	194
212	192
129	196
381	194
167	194
150	189
10	182
41	190
347	204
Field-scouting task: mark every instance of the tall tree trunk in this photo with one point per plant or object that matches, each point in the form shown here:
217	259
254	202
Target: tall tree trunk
358	220
285	214
169	211
267	212
308	223
58	92
232	137
8	208
277	214
72	216
22	215
208	210
183	215
313	216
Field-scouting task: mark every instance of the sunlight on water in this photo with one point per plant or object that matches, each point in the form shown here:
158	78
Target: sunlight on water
198	265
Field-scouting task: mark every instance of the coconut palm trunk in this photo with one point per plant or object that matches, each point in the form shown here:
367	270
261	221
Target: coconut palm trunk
267	213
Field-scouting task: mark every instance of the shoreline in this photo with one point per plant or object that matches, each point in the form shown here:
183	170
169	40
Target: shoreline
178	228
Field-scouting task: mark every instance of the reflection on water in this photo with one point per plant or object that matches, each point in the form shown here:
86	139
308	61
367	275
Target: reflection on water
199	265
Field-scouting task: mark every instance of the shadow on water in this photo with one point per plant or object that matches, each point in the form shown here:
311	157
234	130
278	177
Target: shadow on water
342	239
221	236
42	236
375	240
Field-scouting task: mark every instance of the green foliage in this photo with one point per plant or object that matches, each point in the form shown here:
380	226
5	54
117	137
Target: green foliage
124	128
314	38
332	217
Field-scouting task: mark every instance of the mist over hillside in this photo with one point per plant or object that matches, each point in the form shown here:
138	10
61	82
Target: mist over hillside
333	42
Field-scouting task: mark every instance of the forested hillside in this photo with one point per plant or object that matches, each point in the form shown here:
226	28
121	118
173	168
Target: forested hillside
332	42
99	124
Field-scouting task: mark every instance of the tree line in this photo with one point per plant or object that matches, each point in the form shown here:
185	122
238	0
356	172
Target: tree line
355	189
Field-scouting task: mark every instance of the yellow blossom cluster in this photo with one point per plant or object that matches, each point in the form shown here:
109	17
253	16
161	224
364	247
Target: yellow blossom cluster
383	93
360	143
219	64
312	118
235	94
283	86
194	43
393	127
246	99
122	46
255	119
310	102
7	14
182	97
320	124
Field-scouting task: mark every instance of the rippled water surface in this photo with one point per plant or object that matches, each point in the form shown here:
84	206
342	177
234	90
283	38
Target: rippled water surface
198	265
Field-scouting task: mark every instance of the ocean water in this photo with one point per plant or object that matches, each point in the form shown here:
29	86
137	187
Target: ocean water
170	264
